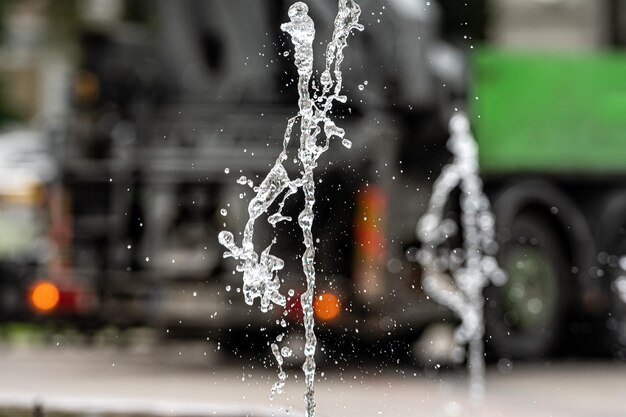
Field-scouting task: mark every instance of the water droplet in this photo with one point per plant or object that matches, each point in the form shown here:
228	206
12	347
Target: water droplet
226	170
223	212
505	366
326	78
361	87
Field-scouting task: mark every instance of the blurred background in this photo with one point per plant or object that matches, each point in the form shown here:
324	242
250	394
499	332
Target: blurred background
126	124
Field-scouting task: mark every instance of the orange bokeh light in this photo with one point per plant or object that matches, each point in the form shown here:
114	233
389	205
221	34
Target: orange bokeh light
326	306
44	296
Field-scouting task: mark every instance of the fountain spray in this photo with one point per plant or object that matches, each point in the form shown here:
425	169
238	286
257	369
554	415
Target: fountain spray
456	278
260	272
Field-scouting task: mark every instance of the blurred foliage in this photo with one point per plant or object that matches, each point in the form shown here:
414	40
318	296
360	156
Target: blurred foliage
7	114
63	16
4	6
24	333
64	21
139	11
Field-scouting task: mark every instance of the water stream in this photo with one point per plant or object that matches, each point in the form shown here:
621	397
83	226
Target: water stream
260	271
456	277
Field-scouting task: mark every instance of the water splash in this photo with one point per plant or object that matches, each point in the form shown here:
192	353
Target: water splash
260	272
456	278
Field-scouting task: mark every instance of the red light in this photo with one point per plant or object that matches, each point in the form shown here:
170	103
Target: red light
44	296
326	306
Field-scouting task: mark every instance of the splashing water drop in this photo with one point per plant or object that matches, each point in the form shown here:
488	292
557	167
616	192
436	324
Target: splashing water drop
278	386
285	352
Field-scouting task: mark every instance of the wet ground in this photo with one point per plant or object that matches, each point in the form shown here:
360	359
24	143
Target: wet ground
194	379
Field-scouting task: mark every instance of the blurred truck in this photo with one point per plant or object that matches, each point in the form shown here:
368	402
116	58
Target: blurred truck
170	108
549	103
176	101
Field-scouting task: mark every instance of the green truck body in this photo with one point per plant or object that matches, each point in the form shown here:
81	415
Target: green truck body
549	112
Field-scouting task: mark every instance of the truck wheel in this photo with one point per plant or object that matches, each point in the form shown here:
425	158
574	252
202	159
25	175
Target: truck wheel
525	316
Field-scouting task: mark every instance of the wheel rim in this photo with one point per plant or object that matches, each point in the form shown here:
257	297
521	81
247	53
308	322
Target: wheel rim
531	291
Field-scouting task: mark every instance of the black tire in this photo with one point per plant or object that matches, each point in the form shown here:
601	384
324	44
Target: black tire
525	318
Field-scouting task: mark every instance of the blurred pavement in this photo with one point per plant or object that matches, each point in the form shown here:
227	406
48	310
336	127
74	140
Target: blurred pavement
179	376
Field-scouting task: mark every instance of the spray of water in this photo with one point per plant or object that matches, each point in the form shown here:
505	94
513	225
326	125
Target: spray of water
620	287
456	278
260	272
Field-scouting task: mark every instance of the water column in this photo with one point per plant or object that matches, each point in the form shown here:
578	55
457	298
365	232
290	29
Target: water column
260	272
456	279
